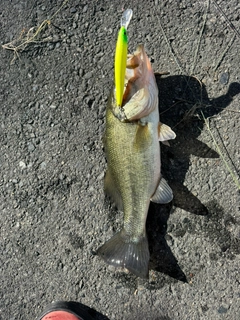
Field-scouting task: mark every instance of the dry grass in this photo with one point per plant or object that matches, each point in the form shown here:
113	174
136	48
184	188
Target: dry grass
31	36
227	166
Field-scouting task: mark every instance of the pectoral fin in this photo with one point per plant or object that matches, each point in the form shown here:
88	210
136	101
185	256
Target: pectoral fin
163	193
111	190
165	133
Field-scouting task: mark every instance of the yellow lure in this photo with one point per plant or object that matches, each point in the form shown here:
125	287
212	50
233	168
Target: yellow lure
120	64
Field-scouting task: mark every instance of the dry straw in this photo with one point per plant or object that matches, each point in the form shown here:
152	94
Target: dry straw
32	36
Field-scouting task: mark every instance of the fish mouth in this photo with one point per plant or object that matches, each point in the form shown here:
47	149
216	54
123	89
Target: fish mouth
140	96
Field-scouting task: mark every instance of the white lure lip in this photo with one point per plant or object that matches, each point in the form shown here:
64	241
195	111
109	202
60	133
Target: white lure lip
126	18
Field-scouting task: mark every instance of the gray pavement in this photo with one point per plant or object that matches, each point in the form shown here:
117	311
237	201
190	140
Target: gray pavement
53	211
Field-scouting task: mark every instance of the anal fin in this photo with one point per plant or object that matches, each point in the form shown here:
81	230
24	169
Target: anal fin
163	193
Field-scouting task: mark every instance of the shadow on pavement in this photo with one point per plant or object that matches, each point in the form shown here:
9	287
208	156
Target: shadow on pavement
182	101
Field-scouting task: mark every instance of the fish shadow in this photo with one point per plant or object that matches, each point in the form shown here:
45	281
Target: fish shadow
183	102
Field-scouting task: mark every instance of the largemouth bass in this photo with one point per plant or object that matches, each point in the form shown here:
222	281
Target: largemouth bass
133	176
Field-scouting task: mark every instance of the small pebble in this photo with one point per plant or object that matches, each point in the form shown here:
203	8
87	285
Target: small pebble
22	165
224	78
73	10
35	87
85	9
100	176
43	165
51	46
31	147
88	75
222	310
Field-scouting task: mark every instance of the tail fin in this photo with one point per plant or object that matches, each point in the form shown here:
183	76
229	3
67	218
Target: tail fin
121	251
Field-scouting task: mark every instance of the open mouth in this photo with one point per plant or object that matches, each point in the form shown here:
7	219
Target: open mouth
140	96
133	73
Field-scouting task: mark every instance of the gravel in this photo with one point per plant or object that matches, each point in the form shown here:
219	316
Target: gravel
54	214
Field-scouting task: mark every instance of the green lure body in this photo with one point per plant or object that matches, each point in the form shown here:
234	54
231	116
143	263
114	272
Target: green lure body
120	64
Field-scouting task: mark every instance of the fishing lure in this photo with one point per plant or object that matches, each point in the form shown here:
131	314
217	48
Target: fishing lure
121	56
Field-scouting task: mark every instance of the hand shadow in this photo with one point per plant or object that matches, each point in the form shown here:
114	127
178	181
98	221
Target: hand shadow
180	101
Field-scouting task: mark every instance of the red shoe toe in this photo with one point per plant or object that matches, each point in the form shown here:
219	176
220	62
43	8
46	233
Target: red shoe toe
64	310
61	315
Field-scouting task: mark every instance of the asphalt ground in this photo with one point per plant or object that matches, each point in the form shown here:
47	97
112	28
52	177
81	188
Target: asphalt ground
54	216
